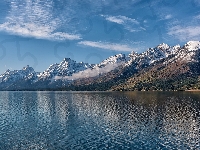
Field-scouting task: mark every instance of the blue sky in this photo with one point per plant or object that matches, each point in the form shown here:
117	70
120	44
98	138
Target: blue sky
39	33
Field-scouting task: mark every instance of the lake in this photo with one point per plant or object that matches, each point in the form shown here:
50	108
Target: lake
99	120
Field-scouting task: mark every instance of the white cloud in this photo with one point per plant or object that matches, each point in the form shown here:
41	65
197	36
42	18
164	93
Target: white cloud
115	20
90	72
36	31
185	33
34	19
108	46
165	16
129	24
120	19
168	17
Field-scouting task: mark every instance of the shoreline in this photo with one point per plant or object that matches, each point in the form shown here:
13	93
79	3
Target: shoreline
192	90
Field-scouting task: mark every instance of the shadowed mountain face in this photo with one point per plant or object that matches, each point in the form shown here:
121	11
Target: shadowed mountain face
159	68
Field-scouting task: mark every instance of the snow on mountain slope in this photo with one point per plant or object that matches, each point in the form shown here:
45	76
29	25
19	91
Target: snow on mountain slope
95	70
157	53
12	76
120	58
186	53
192	45
162	51
71	70
66	68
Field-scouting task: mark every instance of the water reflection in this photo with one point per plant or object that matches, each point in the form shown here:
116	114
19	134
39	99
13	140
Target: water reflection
180	125
94	120
4	104
61	107
44	106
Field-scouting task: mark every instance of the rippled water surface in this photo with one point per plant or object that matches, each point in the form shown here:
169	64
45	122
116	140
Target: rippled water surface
94	120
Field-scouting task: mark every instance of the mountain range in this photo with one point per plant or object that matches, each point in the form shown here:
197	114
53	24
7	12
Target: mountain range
163	67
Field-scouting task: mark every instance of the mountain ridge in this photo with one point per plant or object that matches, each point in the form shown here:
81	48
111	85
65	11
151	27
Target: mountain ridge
114	73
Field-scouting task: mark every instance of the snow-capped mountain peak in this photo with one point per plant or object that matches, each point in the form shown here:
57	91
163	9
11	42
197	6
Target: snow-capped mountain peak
163	46
66	59
12	76
176	46
28	69
119	58
70	70
66	67
192	45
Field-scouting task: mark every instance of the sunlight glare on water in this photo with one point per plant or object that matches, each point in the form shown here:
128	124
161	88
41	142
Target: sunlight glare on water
99	120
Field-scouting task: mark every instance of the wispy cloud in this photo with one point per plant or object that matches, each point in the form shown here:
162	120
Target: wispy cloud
185	33
120	19
34	19
105	45
36	31
115	20
90	72
196	2
129	24
197	17
168	17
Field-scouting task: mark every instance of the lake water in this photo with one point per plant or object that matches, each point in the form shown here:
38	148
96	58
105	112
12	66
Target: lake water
99	120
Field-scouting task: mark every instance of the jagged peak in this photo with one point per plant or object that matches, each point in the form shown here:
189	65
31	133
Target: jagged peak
132	55
68	67
55	64
114	58
8	71
193	42
133	52
177	46
192	45
27	67
163	46
67	59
